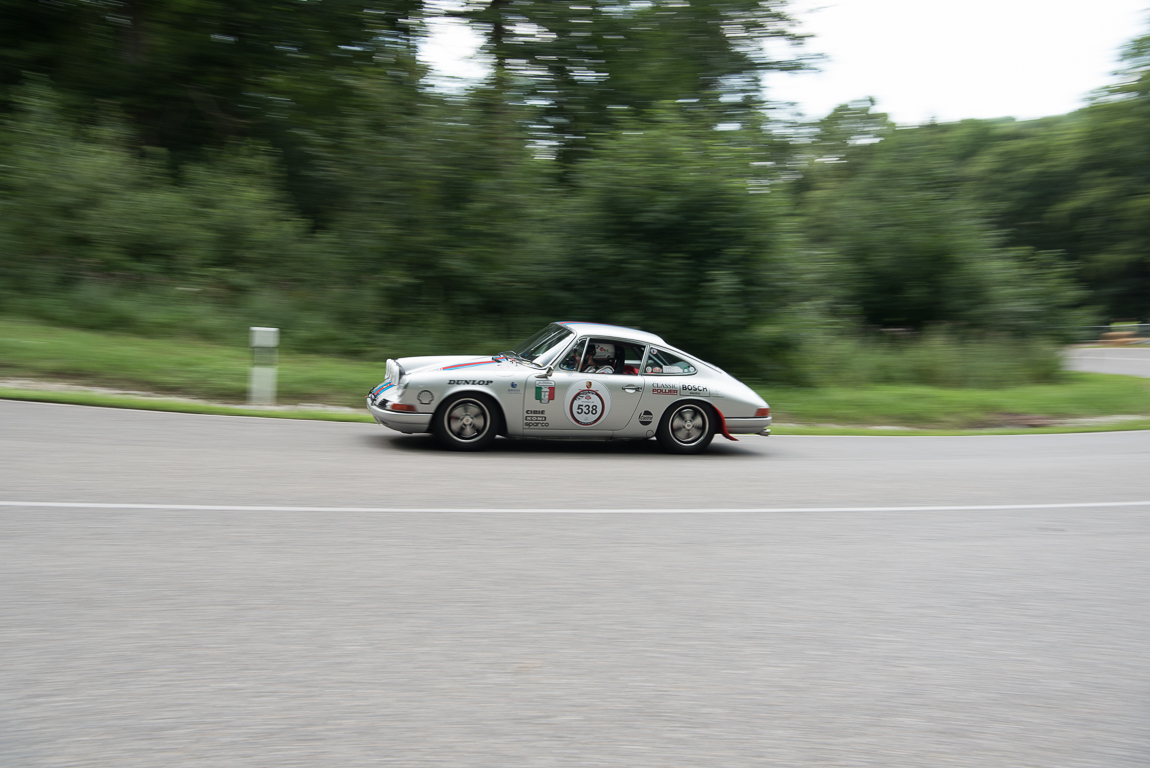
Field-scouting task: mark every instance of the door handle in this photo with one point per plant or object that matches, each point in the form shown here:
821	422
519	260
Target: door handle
632	388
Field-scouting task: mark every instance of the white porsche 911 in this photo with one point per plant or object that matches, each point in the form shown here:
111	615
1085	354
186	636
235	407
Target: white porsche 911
570	381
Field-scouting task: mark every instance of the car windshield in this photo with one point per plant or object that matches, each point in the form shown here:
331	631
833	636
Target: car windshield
541	348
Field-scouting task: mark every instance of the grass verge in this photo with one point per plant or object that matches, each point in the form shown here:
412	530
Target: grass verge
175	366
1077	395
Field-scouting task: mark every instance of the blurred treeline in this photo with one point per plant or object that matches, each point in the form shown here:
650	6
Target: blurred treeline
190	167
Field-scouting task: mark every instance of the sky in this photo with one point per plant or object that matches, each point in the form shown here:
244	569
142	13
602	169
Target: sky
947	60
924	59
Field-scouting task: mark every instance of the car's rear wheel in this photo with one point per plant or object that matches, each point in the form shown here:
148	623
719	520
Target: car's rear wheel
467	422
686	428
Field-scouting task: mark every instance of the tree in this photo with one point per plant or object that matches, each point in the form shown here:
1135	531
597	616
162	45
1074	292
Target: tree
663	233
194	74
921	251
590	65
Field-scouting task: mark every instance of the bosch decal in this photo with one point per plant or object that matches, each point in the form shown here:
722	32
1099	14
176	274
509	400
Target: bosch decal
695	389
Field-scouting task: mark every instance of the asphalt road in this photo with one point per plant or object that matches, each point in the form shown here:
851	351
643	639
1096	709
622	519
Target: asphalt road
327	610
1129	361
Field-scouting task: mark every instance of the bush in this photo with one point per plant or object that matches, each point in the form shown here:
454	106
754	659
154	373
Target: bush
937	358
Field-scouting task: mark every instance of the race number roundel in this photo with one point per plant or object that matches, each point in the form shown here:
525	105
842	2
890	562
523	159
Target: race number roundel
587	403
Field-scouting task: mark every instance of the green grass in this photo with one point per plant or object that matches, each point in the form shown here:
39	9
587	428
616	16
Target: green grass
219	373
175	366
1077	395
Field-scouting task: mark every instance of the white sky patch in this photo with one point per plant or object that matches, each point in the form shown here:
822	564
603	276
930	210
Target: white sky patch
925	59
920	59
452	51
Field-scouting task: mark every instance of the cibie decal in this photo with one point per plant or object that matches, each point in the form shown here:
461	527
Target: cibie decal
664	390
587	403
544	391
646	417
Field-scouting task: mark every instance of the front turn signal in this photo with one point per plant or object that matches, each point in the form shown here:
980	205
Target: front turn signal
400	407
763	413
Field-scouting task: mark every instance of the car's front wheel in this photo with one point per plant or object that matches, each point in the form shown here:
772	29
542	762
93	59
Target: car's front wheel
686	428
466	422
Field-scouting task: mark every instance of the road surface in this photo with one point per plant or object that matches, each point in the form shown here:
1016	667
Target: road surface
257	592
1128	361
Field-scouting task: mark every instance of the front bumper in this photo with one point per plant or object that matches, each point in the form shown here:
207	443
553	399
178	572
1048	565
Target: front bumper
406	422
752	426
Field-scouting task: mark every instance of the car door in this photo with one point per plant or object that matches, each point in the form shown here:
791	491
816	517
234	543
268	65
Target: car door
570	403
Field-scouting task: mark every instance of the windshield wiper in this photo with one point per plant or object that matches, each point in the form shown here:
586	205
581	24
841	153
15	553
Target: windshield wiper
520	358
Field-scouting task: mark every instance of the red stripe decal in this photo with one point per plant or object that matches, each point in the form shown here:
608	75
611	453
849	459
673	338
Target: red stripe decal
466	365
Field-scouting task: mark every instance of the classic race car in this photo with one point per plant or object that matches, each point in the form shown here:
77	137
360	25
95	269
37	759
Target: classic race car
570	380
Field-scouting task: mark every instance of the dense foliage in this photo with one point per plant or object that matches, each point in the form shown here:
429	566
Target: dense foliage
190	167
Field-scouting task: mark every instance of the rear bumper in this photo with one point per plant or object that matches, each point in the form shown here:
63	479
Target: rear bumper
408	423
751	426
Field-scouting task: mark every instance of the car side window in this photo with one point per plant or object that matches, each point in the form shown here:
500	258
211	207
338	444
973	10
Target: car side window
572	359
612	356
661	361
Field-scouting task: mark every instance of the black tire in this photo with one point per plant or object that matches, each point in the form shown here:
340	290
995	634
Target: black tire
686	428
468	421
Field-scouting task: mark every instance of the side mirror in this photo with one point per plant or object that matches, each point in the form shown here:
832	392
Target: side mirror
546	374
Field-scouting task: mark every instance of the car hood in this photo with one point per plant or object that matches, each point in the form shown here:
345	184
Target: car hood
461	363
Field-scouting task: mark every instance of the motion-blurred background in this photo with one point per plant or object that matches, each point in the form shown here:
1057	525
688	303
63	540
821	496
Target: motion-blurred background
185	169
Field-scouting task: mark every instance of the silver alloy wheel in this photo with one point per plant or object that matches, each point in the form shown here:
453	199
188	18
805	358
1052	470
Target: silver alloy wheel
689	424
467	420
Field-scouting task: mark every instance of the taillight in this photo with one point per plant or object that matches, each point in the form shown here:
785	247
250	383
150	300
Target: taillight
400	407
762	413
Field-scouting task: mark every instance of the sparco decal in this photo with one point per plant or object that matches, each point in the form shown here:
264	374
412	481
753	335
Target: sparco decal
476	382
587	403
657	390
698	390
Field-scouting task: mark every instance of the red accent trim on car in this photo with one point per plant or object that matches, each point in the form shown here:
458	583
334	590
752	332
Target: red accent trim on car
469	365
723	427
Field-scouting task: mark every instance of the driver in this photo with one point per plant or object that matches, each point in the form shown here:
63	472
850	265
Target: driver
599	358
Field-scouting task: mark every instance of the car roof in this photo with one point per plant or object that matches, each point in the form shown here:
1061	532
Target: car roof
617	331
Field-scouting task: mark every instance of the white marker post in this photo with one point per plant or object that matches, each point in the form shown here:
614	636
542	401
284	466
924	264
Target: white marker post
262	382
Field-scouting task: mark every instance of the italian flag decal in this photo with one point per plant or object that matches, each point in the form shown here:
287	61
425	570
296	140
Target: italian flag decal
544	391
